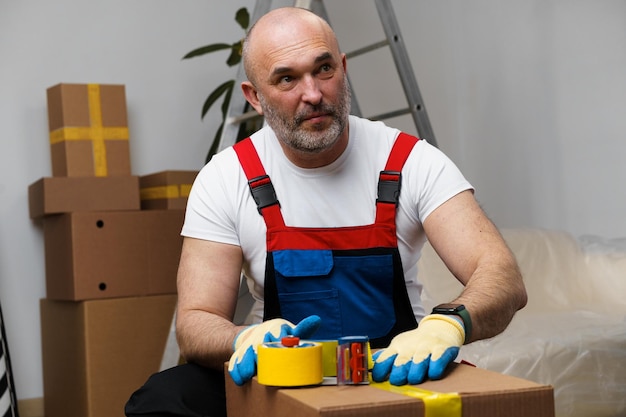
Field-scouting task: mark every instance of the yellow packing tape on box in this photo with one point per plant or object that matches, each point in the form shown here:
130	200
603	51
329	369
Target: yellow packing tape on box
165	191
436	404
296	366
96	132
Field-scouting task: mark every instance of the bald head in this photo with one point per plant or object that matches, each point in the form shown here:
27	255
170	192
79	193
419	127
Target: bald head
279	29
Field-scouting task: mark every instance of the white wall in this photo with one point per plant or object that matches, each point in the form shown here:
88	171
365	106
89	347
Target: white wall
138	43
527	96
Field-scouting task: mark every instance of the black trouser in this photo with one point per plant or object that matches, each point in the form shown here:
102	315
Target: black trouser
187	390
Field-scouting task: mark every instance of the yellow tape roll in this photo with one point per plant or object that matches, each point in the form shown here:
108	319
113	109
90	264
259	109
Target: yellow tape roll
329	357
296	366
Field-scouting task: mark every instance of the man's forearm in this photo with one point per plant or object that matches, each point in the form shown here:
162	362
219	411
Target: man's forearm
492	296
204	338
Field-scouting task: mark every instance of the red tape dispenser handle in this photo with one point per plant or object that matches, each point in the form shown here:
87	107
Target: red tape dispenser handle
356	363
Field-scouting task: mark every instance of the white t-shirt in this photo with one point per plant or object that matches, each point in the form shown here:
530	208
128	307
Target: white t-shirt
220	206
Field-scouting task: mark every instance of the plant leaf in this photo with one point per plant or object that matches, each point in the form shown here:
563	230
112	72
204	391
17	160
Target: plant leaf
214	145
207	50
243	18
235	54
217	93
226	102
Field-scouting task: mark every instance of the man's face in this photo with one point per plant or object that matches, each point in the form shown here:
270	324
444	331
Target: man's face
303	91
304	130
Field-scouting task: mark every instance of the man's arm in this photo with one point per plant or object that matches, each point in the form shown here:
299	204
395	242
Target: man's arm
208	286
475	252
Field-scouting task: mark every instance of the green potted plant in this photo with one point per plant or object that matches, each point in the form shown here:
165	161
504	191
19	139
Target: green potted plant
225	90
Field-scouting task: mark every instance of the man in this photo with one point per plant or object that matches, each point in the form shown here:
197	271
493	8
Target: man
311	210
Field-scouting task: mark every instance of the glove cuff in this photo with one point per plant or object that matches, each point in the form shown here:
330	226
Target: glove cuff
240	337
450	320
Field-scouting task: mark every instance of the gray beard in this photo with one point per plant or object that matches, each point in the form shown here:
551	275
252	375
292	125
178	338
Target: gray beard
290	132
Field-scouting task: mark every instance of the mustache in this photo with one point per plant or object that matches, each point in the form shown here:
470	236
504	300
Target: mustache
313	111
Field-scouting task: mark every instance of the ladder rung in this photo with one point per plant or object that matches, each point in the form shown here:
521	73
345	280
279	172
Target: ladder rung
367	49
389	115
252	114
304	4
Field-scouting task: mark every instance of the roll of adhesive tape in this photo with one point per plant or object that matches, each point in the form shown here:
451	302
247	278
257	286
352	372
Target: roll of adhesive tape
329	357
296	366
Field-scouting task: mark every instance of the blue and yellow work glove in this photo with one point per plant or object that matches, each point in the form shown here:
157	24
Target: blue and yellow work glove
423	352
242	365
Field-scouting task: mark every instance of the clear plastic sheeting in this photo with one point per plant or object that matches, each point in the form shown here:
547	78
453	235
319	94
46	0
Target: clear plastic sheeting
572	333
582	354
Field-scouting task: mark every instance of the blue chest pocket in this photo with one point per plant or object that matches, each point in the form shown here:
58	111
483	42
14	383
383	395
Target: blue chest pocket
352	291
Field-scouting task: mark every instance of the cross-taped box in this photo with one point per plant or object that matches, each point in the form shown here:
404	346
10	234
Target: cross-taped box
88	127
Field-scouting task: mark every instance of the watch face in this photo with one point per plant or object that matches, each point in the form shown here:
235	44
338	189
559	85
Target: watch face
449	308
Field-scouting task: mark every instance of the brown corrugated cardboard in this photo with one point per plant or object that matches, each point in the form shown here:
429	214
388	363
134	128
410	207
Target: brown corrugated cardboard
107	254
53	195
166	190
483	394
88	130
96	353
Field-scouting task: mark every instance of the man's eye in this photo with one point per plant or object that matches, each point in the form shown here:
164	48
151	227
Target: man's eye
326	71
325	68
286	79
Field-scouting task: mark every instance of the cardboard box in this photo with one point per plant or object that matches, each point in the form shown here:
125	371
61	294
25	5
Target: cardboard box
482	393
166	190
53	195
107	254
88	130
96	353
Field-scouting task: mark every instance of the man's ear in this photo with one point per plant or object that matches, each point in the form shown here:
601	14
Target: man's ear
250	93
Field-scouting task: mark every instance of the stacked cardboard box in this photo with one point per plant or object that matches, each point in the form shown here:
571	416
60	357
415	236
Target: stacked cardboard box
166	189
89	151
110	266
96	353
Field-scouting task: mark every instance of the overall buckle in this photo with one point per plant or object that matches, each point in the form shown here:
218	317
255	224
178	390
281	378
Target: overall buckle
263	192
389	183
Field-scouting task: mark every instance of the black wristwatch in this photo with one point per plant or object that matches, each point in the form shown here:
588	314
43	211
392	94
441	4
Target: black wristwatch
456	310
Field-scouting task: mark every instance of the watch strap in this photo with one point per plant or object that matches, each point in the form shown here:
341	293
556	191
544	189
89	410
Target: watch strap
457	310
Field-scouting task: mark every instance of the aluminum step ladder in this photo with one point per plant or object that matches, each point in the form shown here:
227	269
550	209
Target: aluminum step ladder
237	110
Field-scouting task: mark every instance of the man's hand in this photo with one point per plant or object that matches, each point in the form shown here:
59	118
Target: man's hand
416	354
242	365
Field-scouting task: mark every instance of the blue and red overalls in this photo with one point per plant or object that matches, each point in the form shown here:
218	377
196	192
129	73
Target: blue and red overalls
352	277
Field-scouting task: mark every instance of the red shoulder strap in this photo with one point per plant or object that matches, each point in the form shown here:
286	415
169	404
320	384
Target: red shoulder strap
400	151
260	184
390	180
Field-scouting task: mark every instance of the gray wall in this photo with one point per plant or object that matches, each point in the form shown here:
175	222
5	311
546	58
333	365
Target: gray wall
527	96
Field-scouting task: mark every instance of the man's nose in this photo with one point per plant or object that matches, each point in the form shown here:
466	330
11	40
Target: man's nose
311	92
